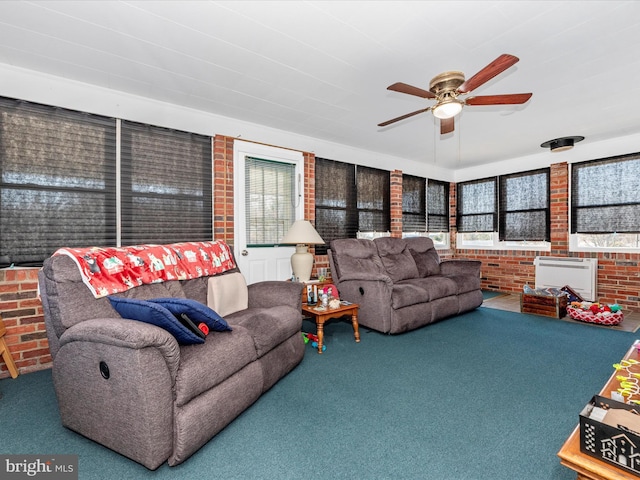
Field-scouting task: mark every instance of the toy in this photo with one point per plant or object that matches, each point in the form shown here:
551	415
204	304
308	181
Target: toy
629	386
310	337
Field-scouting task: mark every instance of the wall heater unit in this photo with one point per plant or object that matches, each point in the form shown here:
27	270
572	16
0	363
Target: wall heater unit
581	274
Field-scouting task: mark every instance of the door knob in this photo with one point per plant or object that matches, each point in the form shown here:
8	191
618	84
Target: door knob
244	253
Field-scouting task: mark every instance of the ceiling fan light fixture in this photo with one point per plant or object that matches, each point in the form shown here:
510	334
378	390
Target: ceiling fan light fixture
562	144
447	109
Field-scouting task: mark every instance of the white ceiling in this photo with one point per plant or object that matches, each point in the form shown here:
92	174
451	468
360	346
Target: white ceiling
321	68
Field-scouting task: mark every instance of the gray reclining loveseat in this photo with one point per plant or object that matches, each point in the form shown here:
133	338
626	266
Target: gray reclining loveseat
400	284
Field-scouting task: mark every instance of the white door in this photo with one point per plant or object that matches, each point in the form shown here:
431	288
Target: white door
264	213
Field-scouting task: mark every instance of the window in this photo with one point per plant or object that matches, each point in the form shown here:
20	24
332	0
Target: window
373	188
437	206
414	200
525	207
605	204
59	185
166	185
510	211
477	206
350	200
425	209
270	188
57	181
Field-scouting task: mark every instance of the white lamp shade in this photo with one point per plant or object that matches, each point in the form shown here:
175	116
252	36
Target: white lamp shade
302	233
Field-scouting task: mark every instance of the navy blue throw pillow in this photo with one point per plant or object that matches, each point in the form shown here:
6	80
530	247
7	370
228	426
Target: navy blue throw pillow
155	314
195	310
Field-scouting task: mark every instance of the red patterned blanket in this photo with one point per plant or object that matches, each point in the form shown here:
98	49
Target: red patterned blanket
117	269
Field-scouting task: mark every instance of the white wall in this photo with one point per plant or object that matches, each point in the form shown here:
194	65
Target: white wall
50	90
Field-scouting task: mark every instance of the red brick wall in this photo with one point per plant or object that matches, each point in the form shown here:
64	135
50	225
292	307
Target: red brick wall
22	315
506	271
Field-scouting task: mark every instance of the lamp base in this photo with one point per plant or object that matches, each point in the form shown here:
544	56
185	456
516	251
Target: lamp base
302	263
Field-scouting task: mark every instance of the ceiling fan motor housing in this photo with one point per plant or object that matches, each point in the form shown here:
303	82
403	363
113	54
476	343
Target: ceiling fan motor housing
446	82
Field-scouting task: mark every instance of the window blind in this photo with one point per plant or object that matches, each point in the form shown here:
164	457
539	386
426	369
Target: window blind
605	195
477	205
525	206
414	201
437	206
335	190
373	199
269	200
166	185
57	181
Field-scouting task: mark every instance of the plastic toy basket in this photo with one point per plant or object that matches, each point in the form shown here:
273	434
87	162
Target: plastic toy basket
599	318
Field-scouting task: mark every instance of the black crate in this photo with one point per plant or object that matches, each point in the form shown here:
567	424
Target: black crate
616	446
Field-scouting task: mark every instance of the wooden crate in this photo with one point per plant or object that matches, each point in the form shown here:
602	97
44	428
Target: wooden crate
548	306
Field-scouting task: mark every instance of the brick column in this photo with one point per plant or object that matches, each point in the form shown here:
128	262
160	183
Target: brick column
223	202
396	203
559	209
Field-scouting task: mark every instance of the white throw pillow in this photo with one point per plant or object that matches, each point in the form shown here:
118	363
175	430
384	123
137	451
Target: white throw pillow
227	294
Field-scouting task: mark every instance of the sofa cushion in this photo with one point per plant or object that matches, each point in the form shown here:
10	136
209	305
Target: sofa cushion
196	311
406	294
425	255
355	255
396	258
437	286
465	283
204	366
268	326
227	293
149	312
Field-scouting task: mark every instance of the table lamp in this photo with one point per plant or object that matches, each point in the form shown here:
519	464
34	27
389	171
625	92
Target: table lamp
302	234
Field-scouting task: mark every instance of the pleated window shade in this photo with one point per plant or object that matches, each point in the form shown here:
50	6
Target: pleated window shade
525	213
414	204
605	195
477	205
57	181
437	206
166	185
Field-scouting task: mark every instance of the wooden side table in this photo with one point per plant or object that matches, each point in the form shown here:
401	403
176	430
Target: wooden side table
5	353
321	315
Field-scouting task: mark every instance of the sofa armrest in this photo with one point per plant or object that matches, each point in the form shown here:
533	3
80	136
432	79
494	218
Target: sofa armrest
461	267
274	293
124	333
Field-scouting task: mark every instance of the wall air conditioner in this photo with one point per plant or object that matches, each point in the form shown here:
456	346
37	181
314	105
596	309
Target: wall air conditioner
581	274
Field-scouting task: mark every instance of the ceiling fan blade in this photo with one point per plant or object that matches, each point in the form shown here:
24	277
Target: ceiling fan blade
510	99
496	67
446	125
388	122
410	90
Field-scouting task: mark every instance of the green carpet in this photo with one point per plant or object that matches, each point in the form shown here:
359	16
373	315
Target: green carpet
486	395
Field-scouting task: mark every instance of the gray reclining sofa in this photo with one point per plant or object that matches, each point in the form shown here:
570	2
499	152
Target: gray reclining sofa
401	284
133	388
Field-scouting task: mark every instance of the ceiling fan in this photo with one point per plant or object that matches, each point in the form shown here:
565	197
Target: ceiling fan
447	88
